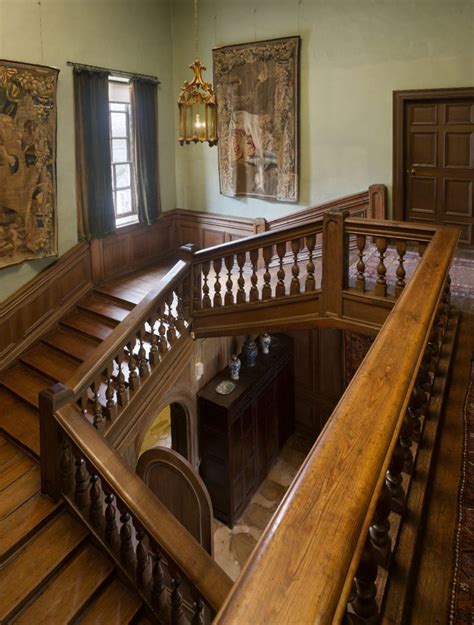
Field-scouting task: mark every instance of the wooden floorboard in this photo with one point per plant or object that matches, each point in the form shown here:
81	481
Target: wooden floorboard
430	599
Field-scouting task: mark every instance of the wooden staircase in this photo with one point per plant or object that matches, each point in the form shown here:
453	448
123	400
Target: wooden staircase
50	570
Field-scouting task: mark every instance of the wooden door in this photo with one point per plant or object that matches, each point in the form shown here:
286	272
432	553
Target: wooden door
437	160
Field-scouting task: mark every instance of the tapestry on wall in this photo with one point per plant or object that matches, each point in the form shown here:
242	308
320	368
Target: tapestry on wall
256	88
27	162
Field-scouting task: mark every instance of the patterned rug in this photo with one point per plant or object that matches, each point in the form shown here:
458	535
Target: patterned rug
462	593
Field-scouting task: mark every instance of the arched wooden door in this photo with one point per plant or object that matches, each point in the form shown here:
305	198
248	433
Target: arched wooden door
179	487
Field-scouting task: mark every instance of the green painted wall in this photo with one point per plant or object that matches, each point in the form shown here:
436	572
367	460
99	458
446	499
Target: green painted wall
132	35
354	54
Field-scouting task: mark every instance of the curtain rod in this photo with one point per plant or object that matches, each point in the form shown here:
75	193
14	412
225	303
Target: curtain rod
115	72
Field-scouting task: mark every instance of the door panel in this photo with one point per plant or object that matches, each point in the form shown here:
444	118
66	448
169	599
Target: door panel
439	163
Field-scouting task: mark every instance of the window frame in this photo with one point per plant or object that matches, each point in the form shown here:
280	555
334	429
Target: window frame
132	215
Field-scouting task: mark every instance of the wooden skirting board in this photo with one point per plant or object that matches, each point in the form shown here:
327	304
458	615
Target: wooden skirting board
37	306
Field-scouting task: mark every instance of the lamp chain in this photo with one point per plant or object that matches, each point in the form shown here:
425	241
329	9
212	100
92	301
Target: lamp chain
196	29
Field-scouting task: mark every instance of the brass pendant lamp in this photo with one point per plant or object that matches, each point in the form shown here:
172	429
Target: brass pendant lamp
197	103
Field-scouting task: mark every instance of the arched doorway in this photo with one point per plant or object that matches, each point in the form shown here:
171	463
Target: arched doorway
168	429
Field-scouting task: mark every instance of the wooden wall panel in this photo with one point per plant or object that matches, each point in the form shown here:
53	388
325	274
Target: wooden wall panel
319	376
35	307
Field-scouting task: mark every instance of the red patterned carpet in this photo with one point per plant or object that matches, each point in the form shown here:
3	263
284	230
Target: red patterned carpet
462	593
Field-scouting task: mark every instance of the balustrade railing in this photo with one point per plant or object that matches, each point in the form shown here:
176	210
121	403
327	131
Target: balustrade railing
331	540
104	385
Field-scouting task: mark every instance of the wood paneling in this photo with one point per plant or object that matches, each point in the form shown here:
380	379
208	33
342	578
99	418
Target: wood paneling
209	229
318	376
38	305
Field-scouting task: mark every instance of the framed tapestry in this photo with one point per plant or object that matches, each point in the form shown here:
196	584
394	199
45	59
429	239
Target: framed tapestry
256	87
27	162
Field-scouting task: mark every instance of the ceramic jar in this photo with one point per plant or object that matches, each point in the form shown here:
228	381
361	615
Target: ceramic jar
249	352
265	342
234	367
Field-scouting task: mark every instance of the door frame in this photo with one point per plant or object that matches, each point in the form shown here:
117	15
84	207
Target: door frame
400	100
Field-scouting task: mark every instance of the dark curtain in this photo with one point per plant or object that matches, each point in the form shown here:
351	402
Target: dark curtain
145	145
96	217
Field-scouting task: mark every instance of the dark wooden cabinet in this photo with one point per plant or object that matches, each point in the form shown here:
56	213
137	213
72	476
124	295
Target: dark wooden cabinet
240	434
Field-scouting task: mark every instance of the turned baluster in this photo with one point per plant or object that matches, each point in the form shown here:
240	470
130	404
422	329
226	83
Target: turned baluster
142	557
381	283
379	531
154	354
198	613
241	280
229	295
267	253
159	595
295	270
180	324
360	280
280	290
401	273
126	543
171	334
83	402
142	359
206	300
365	604
65	467
95	496
217	300
177	612
415	409
422	245
394	480
110	403
186	297
406	441
133	377
310	284
99	418
162	344
111	532
254	278
122	392
81	495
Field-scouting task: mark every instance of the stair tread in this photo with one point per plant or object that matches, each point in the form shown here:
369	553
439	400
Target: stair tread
8	453
42	555
19	464
19	491
25	383
116	604
123	293
79	347
50	363
19	420
88	324
69	590
105	307
23	521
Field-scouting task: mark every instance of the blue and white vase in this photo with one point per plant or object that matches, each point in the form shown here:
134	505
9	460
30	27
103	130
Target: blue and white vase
249	352
234	366
265	342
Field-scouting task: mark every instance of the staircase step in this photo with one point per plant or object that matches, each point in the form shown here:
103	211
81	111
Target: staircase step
25	383
49	362
28	569
68	342
69	590
19	420
88	324
116	604
18	463
105	307
27	519
19	491
123	294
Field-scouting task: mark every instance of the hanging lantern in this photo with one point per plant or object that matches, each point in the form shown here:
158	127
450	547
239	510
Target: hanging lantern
197	103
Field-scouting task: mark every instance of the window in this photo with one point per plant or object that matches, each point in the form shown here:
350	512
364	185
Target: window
123	167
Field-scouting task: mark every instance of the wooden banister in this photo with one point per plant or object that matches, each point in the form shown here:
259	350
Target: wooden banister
175	542
93	367
303	566
410	231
